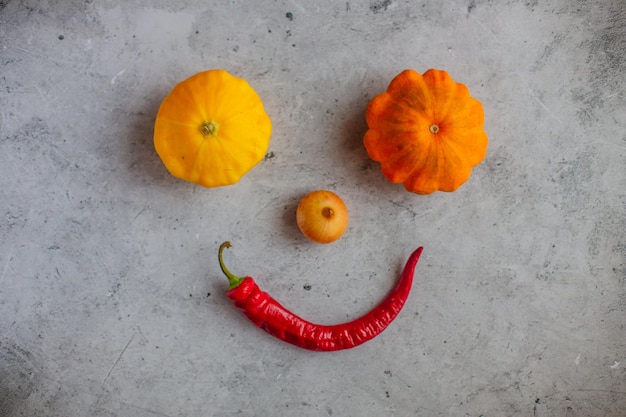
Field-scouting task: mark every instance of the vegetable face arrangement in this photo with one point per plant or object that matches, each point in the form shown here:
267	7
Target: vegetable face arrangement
426	131
212	129
268	314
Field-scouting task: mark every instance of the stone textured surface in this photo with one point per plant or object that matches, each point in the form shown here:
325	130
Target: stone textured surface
111	299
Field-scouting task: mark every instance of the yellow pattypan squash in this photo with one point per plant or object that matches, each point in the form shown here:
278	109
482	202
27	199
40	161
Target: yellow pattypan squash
426	131
211	129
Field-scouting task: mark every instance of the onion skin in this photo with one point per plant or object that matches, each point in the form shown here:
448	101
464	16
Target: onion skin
322	216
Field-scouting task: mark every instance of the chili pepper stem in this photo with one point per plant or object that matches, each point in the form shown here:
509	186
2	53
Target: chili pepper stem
233	280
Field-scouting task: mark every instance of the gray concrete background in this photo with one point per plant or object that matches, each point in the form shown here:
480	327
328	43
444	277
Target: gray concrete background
111	299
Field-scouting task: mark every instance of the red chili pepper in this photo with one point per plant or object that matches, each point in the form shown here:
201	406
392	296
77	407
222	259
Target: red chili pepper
265	312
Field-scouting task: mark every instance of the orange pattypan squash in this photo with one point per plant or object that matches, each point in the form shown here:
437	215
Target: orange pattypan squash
211	129
426	131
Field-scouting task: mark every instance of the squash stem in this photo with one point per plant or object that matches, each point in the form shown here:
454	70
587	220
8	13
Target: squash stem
233	280
209	128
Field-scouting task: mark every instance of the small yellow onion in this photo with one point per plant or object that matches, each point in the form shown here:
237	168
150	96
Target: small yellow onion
322	216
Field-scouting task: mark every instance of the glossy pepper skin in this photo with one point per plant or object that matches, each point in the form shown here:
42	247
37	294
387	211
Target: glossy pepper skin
268	314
